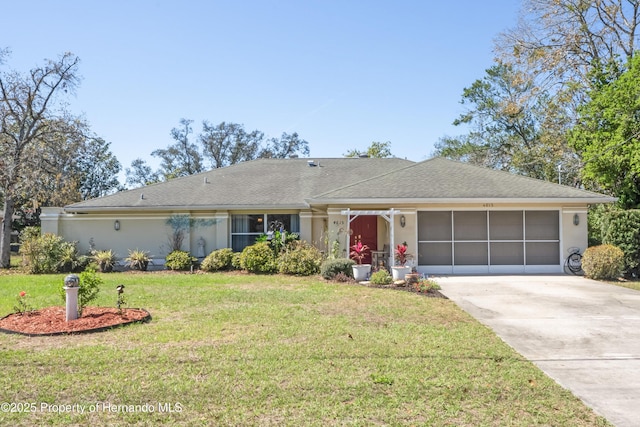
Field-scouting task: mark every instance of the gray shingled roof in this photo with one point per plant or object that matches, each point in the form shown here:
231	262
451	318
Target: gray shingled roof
442	179
293	184
264	183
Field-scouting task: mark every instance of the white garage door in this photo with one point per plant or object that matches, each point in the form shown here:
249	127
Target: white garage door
489	241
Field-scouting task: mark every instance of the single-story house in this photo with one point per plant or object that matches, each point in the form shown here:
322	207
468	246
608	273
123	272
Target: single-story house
455	218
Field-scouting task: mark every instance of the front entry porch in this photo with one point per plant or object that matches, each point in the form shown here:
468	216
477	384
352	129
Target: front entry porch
362	226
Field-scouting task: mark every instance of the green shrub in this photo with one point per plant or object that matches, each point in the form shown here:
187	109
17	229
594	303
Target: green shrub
179	260
300	258
28	233
603	262
220	259
90	284
258	258
426	285
331	267
622	229
42	254
89	288
381	277
235	261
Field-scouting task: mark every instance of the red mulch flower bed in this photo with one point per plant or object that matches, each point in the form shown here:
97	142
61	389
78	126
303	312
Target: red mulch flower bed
52	320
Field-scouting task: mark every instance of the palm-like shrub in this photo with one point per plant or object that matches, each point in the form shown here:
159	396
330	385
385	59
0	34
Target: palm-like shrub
105	260
138	260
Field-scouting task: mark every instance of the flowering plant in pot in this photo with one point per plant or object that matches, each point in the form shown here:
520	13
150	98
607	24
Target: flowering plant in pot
400	270
358	253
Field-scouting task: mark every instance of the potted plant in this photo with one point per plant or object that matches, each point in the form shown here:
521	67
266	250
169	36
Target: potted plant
105	260
400	270
138	260
358	252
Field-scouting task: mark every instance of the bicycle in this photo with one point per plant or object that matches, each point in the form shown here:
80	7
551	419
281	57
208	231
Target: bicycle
573	263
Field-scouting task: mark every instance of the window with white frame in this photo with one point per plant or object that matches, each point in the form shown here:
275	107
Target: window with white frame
245	228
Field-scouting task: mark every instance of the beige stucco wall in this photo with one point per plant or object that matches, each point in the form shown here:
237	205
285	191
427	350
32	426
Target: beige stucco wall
573	236
320	226
148	232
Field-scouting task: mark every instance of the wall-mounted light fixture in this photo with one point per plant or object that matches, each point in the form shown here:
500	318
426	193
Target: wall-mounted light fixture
116	225
576	219
403	221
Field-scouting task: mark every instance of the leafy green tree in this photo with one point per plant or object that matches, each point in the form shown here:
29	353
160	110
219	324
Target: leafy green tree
29	107
182	158
375	150
98	169
286	146
141	174
607	136
229	143
219	145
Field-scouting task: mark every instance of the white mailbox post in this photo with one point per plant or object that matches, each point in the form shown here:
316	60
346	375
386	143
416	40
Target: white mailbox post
71	287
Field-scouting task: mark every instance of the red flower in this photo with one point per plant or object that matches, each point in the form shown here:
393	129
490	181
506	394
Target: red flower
23	294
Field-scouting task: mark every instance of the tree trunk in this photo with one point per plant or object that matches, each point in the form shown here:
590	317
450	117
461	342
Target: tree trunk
5	233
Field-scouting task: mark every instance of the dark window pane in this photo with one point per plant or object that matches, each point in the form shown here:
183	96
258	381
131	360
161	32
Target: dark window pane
253	223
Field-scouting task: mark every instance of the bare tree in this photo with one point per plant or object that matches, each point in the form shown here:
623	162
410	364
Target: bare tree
29	106
561	41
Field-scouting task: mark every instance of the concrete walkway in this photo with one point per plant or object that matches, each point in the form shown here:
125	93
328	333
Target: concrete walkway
582	333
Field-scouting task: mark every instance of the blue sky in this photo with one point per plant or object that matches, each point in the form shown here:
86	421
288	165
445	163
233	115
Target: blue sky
340	73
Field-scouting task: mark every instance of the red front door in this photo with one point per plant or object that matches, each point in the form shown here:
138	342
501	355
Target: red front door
365	230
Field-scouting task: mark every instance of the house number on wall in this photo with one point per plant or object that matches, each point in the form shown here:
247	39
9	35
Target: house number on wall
487	205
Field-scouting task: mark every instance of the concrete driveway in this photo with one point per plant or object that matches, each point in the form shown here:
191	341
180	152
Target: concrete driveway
582	333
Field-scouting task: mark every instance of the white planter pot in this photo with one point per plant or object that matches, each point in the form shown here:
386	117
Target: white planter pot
361	271
398	273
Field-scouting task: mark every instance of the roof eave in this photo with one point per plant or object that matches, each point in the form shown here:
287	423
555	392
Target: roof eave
464	200
93	209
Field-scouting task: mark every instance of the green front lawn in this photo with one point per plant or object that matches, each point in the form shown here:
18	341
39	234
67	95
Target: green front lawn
246	350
